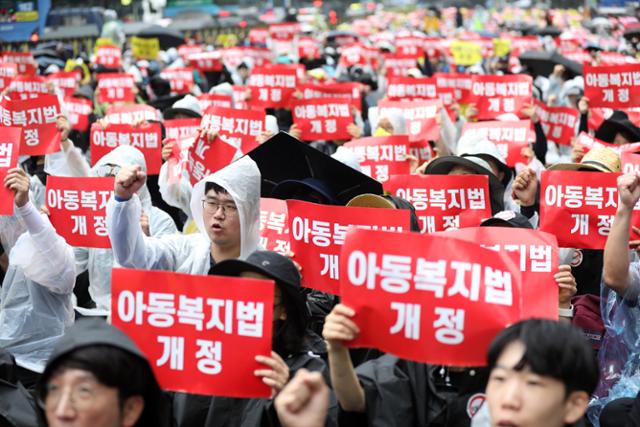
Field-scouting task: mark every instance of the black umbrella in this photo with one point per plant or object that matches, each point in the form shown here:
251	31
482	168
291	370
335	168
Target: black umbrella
547	31
542	63
283	158
631	33
167	37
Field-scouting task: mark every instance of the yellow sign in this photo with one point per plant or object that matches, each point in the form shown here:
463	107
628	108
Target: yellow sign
466	53
26	16
102	41
145	48
501	47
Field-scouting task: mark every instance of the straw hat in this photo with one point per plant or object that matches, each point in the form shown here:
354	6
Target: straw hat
599	159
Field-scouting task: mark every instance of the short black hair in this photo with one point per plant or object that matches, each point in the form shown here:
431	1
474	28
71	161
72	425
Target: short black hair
215	187
552	349
115	368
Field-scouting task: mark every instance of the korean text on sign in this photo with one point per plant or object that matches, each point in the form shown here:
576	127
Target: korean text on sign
323	118
431	299
78	209
37	118
420	116
146	138
381	156
444	201
274	227
317	232
200	333
616	86
534	252
272	86
579	207
497	95
9	150
509	137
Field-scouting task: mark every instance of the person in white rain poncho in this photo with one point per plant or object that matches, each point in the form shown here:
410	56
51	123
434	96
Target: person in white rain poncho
151	221
225	207
35	300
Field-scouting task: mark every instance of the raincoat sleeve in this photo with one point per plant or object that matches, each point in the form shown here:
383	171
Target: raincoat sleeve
44	256
78	165
178	194
82	259
160	223
131	248
11	227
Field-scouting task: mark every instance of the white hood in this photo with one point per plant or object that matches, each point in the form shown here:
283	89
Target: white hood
241	179
126	155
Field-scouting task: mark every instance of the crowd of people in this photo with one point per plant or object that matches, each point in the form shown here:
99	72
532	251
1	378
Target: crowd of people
64	364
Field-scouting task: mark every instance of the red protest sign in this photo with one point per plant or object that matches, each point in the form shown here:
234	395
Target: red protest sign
179	159
323	118
497	95
444	201
509	137
460	83
181	128
201	334
109	57
7	72
187	49
407	88
274	228
399	65
29	84
146	138
131	113
180	79
422	150
432	299
78	111
207	157
381	156
239	128
9	150
410	46
37	117
114	87
284	30
234	56
78	209
24	60
616	86
317	233
534	253
309	47
258	35
348	90
630	162
272	85
579	207
66	81
588	143
558	123
207	100
205	61
420	115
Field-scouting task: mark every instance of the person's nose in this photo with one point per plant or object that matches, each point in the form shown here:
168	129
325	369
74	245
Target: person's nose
220	213
64	408
512	395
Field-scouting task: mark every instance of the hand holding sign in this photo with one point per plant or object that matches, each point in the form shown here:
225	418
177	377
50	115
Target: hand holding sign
567	284
18	182
277	376
128	181
338	327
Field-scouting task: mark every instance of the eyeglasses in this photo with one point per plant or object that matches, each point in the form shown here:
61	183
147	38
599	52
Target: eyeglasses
211	206
81	397
108	170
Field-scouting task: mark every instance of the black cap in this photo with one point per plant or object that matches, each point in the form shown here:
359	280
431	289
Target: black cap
507	219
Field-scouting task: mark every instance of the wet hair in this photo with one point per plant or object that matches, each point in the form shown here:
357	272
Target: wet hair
115	368
215	187
552	349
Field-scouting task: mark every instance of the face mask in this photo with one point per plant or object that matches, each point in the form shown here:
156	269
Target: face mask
381	132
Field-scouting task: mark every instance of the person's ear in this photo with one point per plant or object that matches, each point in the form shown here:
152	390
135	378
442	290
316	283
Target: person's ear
575	406
132	410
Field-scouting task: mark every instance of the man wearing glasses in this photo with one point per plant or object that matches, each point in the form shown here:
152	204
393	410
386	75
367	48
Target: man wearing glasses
225	207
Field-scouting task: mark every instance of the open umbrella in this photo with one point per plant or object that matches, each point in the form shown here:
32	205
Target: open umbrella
542	63
284	158
631	33
547	31
167	37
